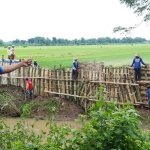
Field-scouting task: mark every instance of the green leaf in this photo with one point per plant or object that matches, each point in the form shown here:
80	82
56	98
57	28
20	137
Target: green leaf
100	103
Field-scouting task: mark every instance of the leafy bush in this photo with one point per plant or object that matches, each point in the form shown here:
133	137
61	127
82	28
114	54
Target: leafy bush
112	128
109	128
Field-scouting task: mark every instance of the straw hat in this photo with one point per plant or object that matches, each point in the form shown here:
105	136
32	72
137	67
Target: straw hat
137	55
75	58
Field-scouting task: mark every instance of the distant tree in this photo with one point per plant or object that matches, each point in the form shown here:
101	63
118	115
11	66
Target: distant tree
140	7
75	41
108	40
127	40
99	41
48	41
54	39
114	40
1	42
103	40
139	40
31	41
22	41
82	41
17	41
92	41
60	41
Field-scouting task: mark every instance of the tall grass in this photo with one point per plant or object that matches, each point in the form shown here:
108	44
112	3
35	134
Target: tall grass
116	55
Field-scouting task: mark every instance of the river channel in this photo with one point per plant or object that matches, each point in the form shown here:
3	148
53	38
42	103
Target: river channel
40	124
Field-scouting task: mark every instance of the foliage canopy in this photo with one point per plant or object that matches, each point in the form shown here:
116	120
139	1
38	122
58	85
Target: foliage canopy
141	8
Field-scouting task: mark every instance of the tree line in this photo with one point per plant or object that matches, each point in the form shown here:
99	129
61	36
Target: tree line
60	41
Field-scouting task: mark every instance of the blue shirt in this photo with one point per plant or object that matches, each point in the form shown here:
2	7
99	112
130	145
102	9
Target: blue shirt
1	70
137	62
148	94
75	65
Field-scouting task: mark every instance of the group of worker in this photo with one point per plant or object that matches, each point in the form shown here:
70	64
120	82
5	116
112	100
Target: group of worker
137	61
11	56
11	52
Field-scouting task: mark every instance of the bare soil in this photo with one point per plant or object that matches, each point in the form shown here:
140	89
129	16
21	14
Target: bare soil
68	110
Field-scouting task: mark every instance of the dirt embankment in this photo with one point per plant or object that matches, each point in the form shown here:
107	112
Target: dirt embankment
13	98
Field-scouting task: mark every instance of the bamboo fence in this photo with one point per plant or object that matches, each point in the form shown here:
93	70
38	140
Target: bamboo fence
118	83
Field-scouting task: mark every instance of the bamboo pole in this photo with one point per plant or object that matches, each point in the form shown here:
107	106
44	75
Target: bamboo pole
134	84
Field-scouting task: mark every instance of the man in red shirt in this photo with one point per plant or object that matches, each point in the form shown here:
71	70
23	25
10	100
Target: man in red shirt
29	87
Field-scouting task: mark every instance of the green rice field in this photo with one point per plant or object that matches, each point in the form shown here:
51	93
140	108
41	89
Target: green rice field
116	55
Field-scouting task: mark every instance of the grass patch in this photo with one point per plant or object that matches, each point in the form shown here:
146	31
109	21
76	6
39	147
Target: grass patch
47	104
116	55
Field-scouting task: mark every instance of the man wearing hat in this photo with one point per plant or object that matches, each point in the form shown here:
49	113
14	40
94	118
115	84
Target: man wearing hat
137	66
75	68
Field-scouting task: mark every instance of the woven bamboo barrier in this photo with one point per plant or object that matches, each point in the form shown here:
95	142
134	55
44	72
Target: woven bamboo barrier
118	83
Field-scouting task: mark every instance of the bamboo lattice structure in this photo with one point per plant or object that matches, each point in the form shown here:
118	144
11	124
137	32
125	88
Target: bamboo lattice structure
118	83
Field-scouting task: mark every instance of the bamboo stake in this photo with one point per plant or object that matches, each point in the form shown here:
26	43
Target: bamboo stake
117	83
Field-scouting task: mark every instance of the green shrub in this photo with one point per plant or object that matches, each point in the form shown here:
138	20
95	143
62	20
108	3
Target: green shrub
109	128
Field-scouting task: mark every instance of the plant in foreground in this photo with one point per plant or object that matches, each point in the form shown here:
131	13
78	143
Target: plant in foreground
109	128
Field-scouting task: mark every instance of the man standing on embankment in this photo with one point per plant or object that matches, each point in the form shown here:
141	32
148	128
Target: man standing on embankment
137	66
75	69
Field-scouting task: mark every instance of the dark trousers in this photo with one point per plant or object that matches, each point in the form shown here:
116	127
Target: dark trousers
12	56
137	73
74	74
148	104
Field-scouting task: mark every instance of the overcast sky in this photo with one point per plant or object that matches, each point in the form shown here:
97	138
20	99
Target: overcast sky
24	19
